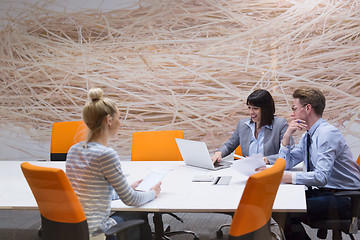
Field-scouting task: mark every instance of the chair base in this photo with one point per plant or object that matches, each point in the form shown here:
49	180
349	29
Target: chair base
52	230
161	234
336	234
337	227
263	233
167	235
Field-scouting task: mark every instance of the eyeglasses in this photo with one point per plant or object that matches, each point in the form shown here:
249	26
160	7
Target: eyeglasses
294	109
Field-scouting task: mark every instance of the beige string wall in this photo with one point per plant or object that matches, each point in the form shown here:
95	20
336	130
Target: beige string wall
179	64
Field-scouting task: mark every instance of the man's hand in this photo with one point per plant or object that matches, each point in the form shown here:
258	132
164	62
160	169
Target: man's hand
294	125
297	124
287	178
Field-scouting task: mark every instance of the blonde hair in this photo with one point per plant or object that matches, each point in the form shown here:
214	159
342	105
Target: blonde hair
96	110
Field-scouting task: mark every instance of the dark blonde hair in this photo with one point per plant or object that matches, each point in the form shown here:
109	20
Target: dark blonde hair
311	96
96	110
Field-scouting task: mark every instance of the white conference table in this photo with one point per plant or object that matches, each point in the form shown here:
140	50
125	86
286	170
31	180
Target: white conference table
178	192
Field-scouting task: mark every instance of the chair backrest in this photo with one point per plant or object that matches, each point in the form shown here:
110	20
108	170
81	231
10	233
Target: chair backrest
156	146
64	135
62	216
252	217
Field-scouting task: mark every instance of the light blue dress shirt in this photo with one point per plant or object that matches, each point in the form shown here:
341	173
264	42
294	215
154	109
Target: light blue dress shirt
257	144
333	165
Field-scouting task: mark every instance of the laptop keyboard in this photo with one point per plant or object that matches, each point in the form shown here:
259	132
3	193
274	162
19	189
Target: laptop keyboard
219	164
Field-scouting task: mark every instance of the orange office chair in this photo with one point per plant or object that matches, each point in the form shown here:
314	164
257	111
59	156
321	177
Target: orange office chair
252	217
238	152
158	146
62	216
347	226
64	135
219	232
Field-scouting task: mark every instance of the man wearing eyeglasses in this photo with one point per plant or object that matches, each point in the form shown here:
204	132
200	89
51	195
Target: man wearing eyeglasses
328	162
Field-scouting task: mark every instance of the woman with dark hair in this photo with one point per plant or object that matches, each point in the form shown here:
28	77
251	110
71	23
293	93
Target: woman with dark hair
262	133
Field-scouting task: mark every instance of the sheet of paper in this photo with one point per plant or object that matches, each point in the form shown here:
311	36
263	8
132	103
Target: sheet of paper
248	165
150	180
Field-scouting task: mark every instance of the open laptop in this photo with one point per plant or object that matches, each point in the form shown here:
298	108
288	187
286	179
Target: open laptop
196	154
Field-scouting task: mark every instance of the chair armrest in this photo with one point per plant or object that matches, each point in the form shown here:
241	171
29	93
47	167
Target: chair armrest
349	193
355	200
123	226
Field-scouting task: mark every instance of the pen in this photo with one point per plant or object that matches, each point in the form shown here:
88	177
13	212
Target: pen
217	180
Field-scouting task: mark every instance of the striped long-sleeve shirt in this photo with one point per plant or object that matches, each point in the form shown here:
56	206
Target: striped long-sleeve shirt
94	171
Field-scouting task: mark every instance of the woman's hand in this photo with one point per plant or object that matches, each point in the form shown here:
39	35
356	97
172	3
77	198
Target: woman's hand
157	188
216	157
135	184
259	169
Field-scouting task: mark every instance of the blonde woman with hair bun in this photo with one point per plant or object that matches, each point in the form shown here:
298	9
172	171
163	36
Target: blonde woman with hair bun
94	171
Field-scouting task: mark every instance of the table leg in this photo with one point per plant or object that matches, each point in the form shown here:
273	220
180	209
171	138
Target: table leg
158	225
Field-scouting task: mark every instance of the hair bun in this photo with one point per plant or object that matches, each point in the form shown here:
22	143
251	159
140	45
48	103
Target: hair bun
96	94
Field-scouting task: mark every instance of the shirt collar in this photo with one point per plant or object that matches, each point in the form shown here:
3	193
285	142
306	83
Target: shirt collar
315	126
251	124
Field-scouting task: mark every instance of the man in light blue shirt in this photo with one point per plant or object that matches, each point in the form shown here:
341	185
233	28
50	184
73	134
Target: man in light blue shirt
329	164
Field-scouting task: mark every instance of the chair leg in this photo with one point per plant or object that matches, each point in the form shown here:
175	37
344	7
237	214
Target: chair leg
161	234
219	232
166	238
169	234
336	235
159	226
321	233
40	232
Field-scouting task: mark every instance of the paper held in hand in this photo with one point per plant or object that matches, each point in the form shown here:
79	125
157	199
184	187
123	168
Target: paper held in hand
248	165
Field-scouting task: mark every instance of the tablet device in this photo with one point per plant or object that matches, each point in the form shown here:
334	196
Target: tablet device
149	181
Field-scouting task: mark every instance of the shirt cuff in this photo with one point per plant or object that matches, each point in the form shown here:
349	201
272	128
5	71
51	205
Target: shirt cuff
285	148
293	178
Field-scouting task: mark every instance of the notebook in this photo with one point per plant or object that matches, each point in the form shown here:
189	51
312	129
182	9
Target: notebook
196	154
